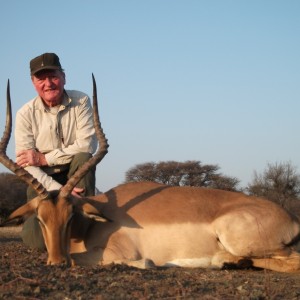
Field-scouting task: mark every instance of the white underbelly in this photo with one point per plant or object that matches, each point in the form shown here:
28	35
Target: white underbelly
166	243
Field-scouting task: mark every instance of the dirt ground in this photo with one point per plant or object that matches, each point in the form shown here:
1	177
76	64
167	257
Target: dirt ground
25	275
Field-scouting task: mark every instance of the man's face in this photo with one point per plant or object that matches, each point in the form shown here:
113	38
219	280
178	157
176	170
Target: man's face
49	84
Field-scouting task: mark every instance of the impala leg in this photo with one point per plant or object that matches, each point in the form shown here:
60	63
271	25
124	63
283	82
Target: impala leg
224	259
140	264
290	263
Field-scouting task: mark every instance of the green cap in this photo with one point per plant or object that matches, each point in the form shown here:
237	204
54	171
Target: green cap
46	61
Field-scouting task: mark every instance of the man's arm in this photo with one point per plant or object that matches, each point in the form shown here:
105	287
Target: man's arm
27	156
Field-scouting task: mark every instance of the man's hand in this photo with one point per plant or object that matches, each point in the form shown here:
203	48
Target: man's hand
76	192
31	157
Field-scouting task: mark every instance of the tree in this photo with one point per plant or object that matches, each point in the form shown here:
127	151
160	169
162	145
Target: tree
279	183
189	173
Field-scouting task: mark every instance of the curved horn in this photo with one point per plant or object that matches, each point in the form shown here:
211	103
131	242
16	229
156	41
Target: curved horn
98	156
7	162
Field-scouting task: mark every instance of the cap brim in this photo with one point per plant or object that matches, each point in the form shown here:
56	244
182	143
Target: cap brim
45	68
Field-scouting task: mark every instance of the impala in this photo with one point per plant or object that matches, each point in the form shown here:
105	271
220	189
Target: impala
148	224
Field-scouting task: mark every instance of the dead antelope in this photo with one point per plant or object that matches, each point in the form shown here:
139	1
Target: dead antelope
141	223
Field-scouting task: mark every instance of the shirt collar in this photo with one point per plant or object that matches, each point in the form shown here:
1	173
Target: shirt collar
39	104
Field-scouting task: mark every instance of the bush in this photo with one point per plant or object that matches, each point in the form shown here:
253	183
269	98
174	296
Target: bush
12	193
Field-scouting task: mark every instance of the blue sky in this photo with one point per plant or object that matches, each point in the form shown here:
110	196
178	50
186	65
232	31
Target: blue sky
216	81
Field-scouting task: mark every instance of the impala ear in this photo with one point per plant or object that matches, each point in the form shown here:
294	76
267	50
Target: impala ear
22	213
92	212
88	210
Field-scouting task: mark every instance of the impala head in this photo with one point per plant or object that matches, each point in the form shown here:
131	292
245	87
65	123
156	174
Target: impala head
54	210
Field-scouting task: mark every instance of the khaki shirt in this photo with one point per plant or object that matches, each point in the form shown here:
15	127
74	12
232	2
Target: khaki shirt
59	133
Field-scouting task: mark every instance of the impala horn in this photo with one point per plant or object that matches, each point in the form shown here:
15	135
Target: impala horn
11	165
97	157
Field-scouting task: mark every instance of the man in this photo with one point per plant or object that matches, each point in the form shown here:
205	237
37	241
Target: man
54	132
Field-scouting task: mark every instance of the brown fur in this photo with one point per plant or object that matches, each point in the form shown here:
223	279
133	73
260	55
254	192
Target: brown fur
183	226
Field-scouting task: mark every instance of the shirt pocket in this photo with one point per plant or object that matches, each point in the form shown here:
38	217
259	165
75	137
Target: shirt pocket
47	136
